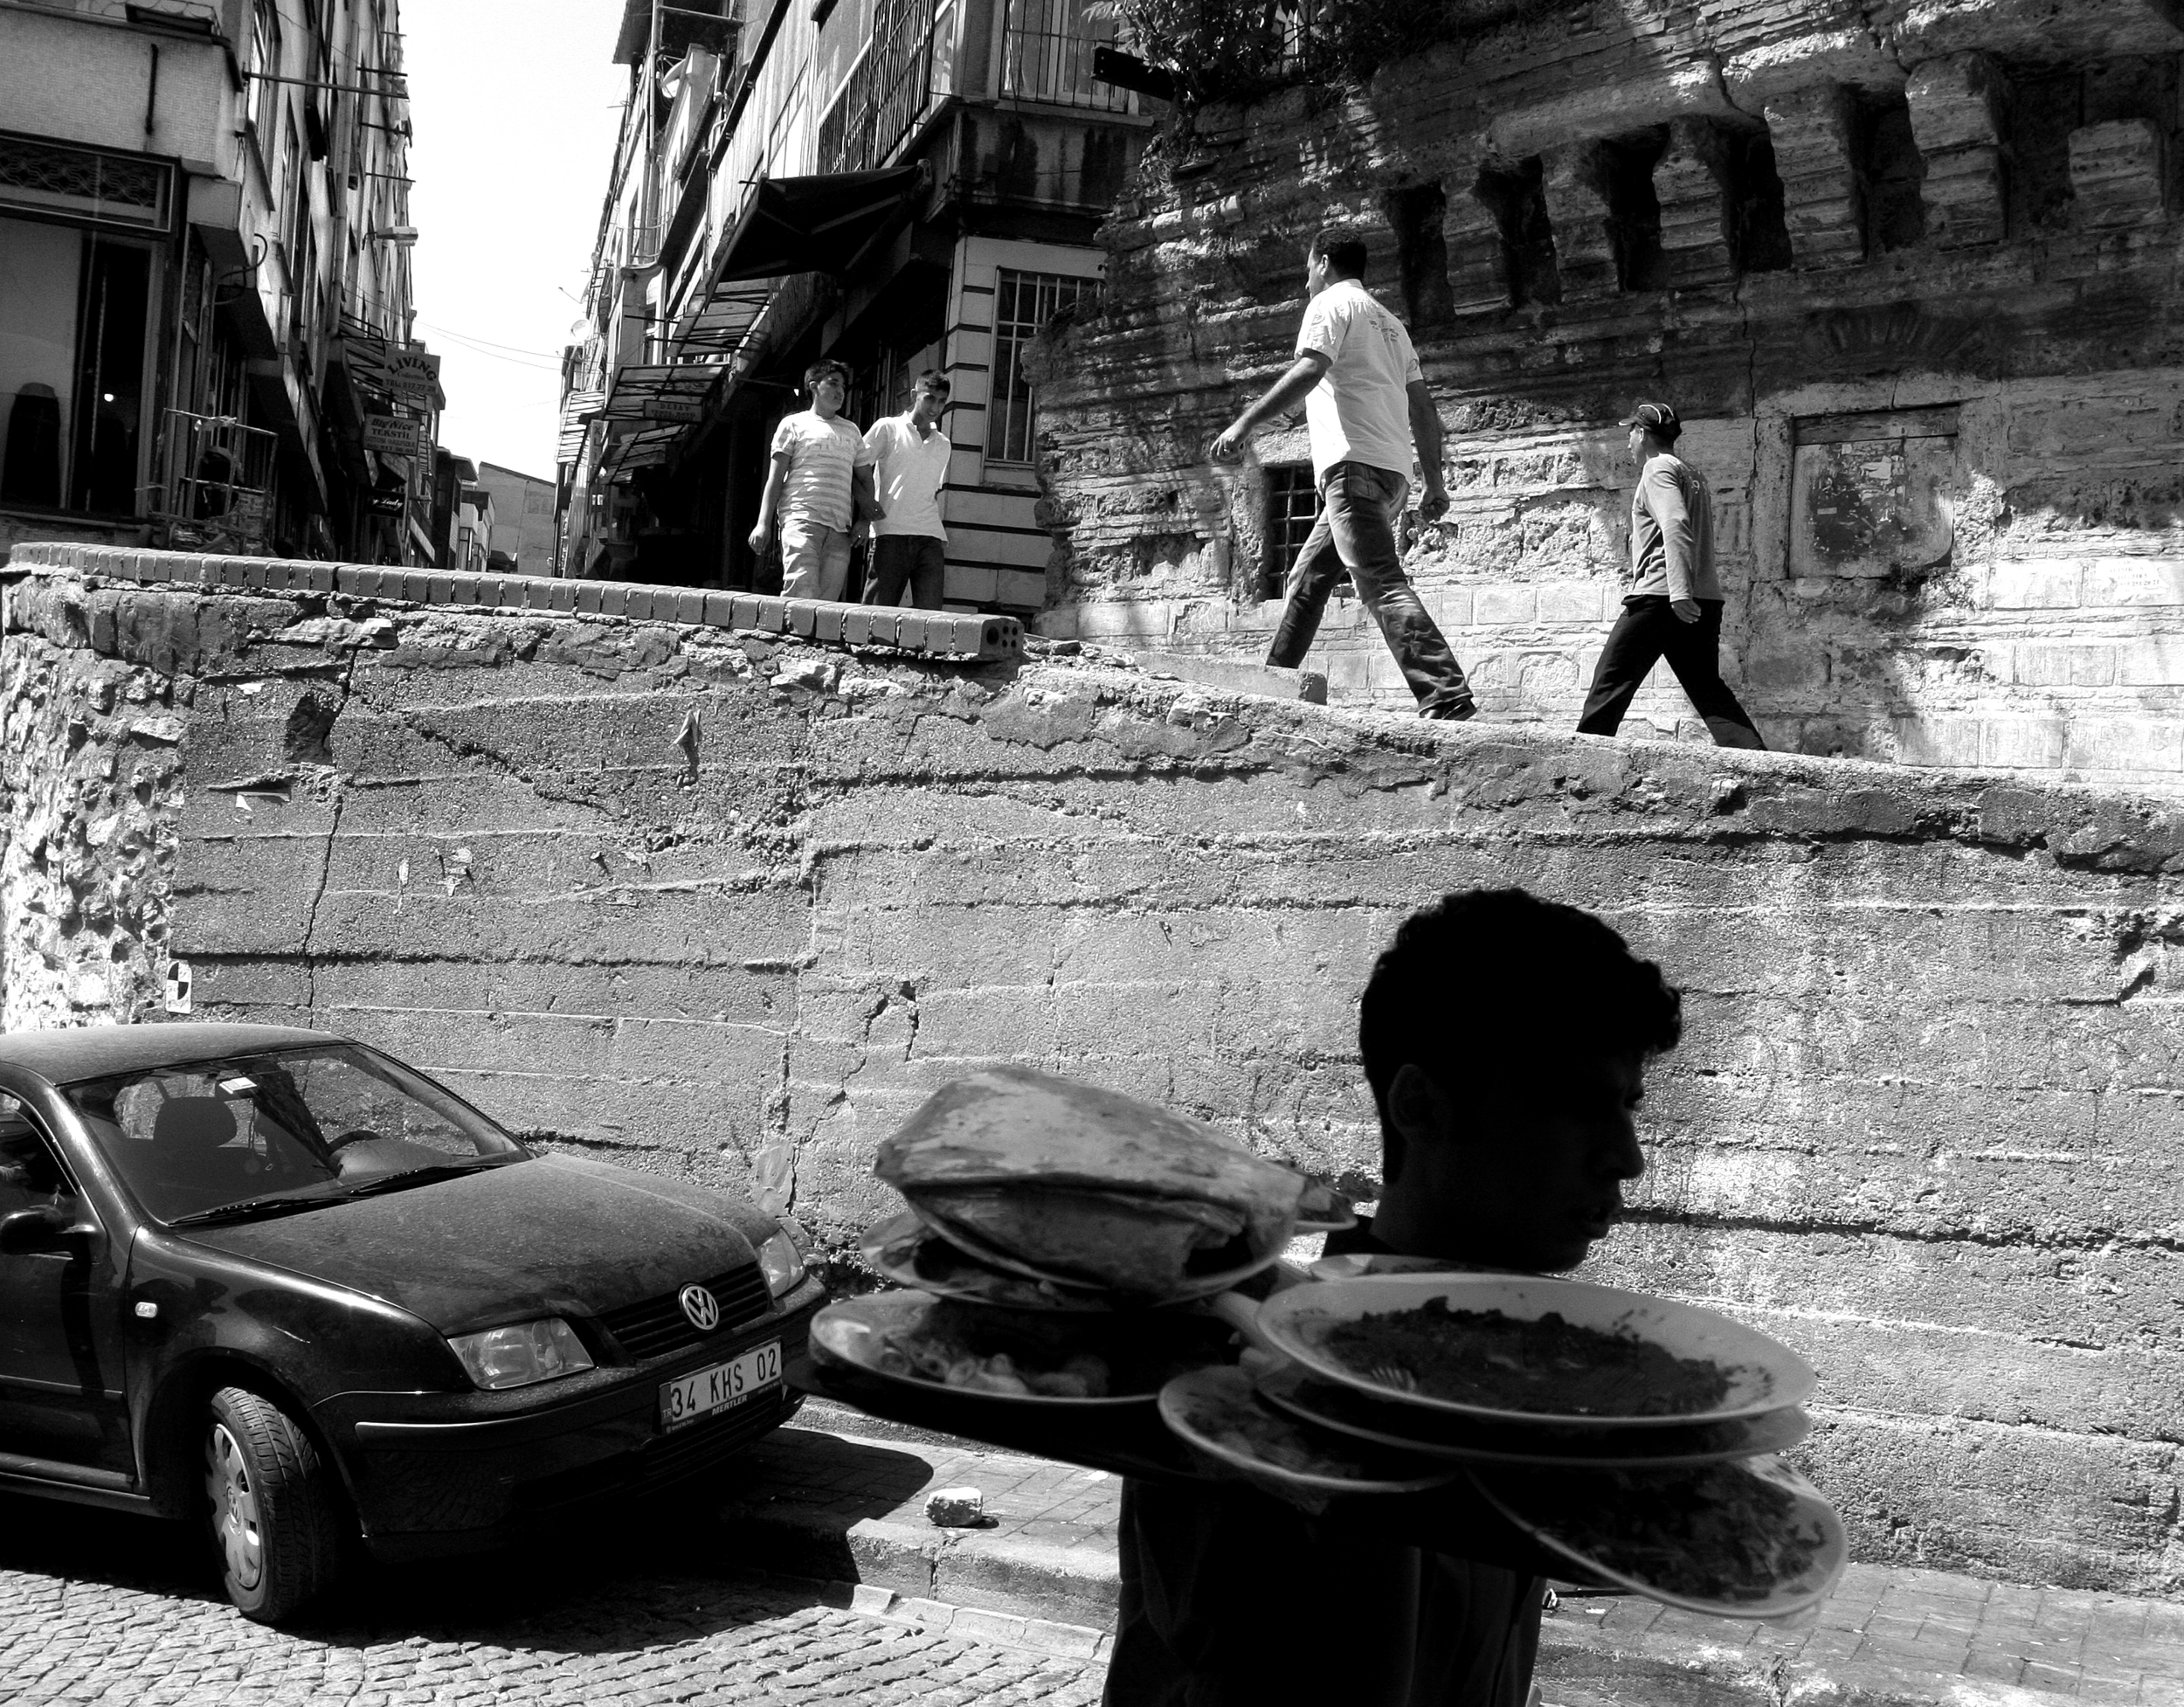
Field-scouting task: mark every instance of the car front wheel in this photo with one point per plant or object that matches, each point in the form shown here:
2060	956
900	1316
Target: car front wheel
274	1516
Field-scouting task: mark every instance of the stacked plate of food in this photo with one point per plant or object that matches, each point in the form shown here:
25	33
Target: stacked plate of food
1630	1434
1051	1230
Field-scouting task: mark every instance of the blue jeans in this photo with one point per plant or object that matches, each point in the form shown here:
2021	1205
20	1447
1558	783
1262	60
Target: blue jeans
917	560
1649	631
1356	531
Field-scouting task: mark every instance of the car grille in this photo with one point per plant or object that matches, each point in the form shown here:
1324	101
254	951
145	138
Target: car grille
658	1326
689	1451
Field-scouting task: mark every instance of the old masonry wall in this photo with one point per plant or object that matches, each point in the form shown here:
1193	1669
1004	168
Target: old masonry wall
1906	268
715	903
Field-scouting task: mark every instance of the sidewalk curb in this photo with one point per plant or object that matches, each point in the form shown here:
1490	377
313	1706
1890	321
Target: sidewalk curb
1040	1635
985	1573
1582	1667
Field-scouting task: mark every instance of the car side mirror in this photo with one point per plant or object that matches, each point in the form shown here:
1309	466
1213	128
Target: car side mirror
28	1232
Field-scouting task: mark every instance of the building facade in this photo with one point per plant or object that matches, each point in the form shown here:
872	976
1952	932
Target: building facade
204	279
524	535
1907	270
904	184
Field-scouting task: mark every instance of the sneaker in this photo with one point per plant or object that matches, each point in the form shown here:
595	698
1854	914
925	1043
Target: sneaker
1453	714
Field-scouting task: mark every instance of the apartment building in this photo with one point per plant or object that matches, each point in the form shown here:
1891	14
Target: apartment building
902	184
205	320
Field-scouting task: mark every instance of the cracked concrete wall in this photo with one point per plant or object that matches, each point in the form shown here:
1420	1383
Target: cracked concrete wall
710	903
1941	397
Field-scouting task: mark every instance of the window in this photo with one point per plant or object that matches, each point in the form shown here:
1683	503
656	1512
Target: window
1418	214
1624	167
30	1176
120	190
1516	197
1046	55
1890	171
1024	303
265	66
74	309
1292	507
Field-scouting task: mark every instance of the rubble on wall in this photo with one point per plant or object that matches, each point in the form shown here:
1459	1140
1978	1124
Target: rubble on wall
92	794
1807	225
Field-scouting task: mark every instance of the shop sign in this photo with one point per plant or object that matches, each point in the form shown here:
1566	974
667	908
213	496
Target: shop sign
673	408
392	435
413	371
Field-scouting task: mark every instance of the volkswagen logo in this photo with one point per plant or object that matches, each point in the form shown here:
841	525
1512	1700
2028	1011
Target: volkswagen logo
702	1308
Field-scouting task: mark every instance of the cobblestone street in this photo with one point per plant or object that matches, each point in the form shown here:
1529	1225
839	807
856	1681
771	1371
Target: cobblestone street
100	1607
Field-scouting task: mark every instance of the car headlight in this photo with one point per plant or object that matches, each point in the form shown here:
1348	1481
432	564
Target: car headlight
521	1353
781	1263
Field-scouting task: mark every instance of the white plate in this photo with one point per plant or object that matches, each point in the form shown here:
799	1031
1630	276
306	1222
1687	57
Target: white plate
855	1331
1355	1265
1514	1494
1216	1411
1349	1412
1764	1375
704	1390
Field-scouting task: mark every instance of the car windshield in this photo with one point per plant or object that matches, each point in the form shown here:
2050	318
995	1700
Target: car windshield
287	1131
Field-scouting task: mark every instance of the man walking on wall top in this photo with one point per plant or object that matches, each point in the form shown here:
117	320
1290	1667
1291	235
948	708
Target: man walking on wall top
1673	608
1364	401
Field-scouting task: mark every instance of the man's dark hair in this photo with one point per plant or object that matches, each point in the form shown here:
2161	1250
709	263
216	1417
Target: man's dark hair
1346	251
935	380
1487	990
821	369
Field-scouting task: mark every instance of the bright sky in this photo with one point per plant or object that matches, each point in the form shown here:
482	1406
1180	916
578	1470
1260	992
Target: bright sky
515	104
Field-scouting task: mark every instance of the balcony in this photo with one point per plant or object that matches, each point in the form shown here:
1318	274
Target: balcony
1046	55
897	83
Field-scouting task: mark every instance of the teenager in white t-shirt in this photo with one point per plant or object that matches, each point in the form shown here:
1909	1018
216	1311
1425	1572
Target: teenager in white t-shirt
1365	403
909	544
821	475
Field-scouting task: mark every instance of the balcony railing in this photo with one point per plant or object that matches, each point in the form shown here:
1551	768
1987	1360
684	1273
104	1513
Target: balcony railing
1046	55
897	83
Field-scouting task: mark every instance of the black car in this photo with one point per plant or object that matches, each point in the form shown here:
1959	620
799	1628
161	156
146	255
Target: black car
279	1281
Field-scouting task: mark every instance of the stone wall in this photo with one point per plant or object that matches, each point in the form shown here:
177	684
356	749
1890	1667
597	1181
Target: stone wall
711	902
1907	269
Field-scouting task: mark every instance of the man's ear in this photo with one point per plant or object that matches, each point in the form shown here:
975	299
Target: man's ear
1418	1107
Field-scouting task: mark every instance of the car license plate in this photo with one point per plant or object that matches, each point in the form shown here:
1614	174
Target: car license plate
715	1389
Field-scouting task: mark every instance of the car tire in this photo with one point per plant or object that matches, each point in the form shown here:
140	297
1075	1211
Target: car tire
274	1516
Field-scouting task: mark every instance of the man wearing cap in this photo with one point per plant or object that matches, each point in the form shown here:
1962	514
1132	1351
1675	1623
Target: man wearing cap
1673	608
1365	402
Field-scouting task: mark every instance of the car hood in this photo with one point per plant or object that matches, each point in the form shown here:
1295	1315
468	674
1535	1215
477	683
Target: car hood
554	1235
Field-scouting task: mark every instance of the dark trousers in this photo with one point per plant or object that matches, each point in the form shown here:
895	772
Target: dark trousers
1356	531
1647	632
918	559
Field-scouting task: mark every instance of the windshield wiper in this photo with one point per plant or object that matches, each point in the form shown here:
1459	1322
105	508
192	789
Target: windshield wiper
424	1176
254	1208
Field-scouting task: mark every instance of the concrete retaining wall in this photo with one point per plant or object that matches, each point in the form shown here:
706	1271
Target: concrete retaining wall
1926	1125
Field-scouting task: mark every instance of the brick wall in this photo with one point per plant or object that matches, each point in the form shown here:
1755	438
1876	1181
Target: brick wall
1924	1126
1937	388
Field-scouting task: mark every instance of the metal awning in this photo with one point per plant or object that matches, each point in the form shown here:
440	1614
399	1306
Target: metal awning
648	447
577	410
814	225
718	330
677	391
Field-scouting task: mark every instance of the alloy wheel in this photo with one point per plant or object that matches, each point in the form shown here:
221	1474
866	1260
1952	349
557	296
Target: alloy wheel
235	1516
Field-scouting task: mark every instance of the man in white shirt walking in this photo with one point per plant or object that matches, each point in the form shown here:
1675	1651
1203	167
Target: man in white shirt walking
1674	607
1365	402
821	475
911	453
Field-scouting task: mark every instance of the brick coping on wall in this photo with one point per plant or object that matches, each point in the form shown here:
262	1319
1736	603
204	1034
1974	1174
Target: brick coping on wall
937	633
